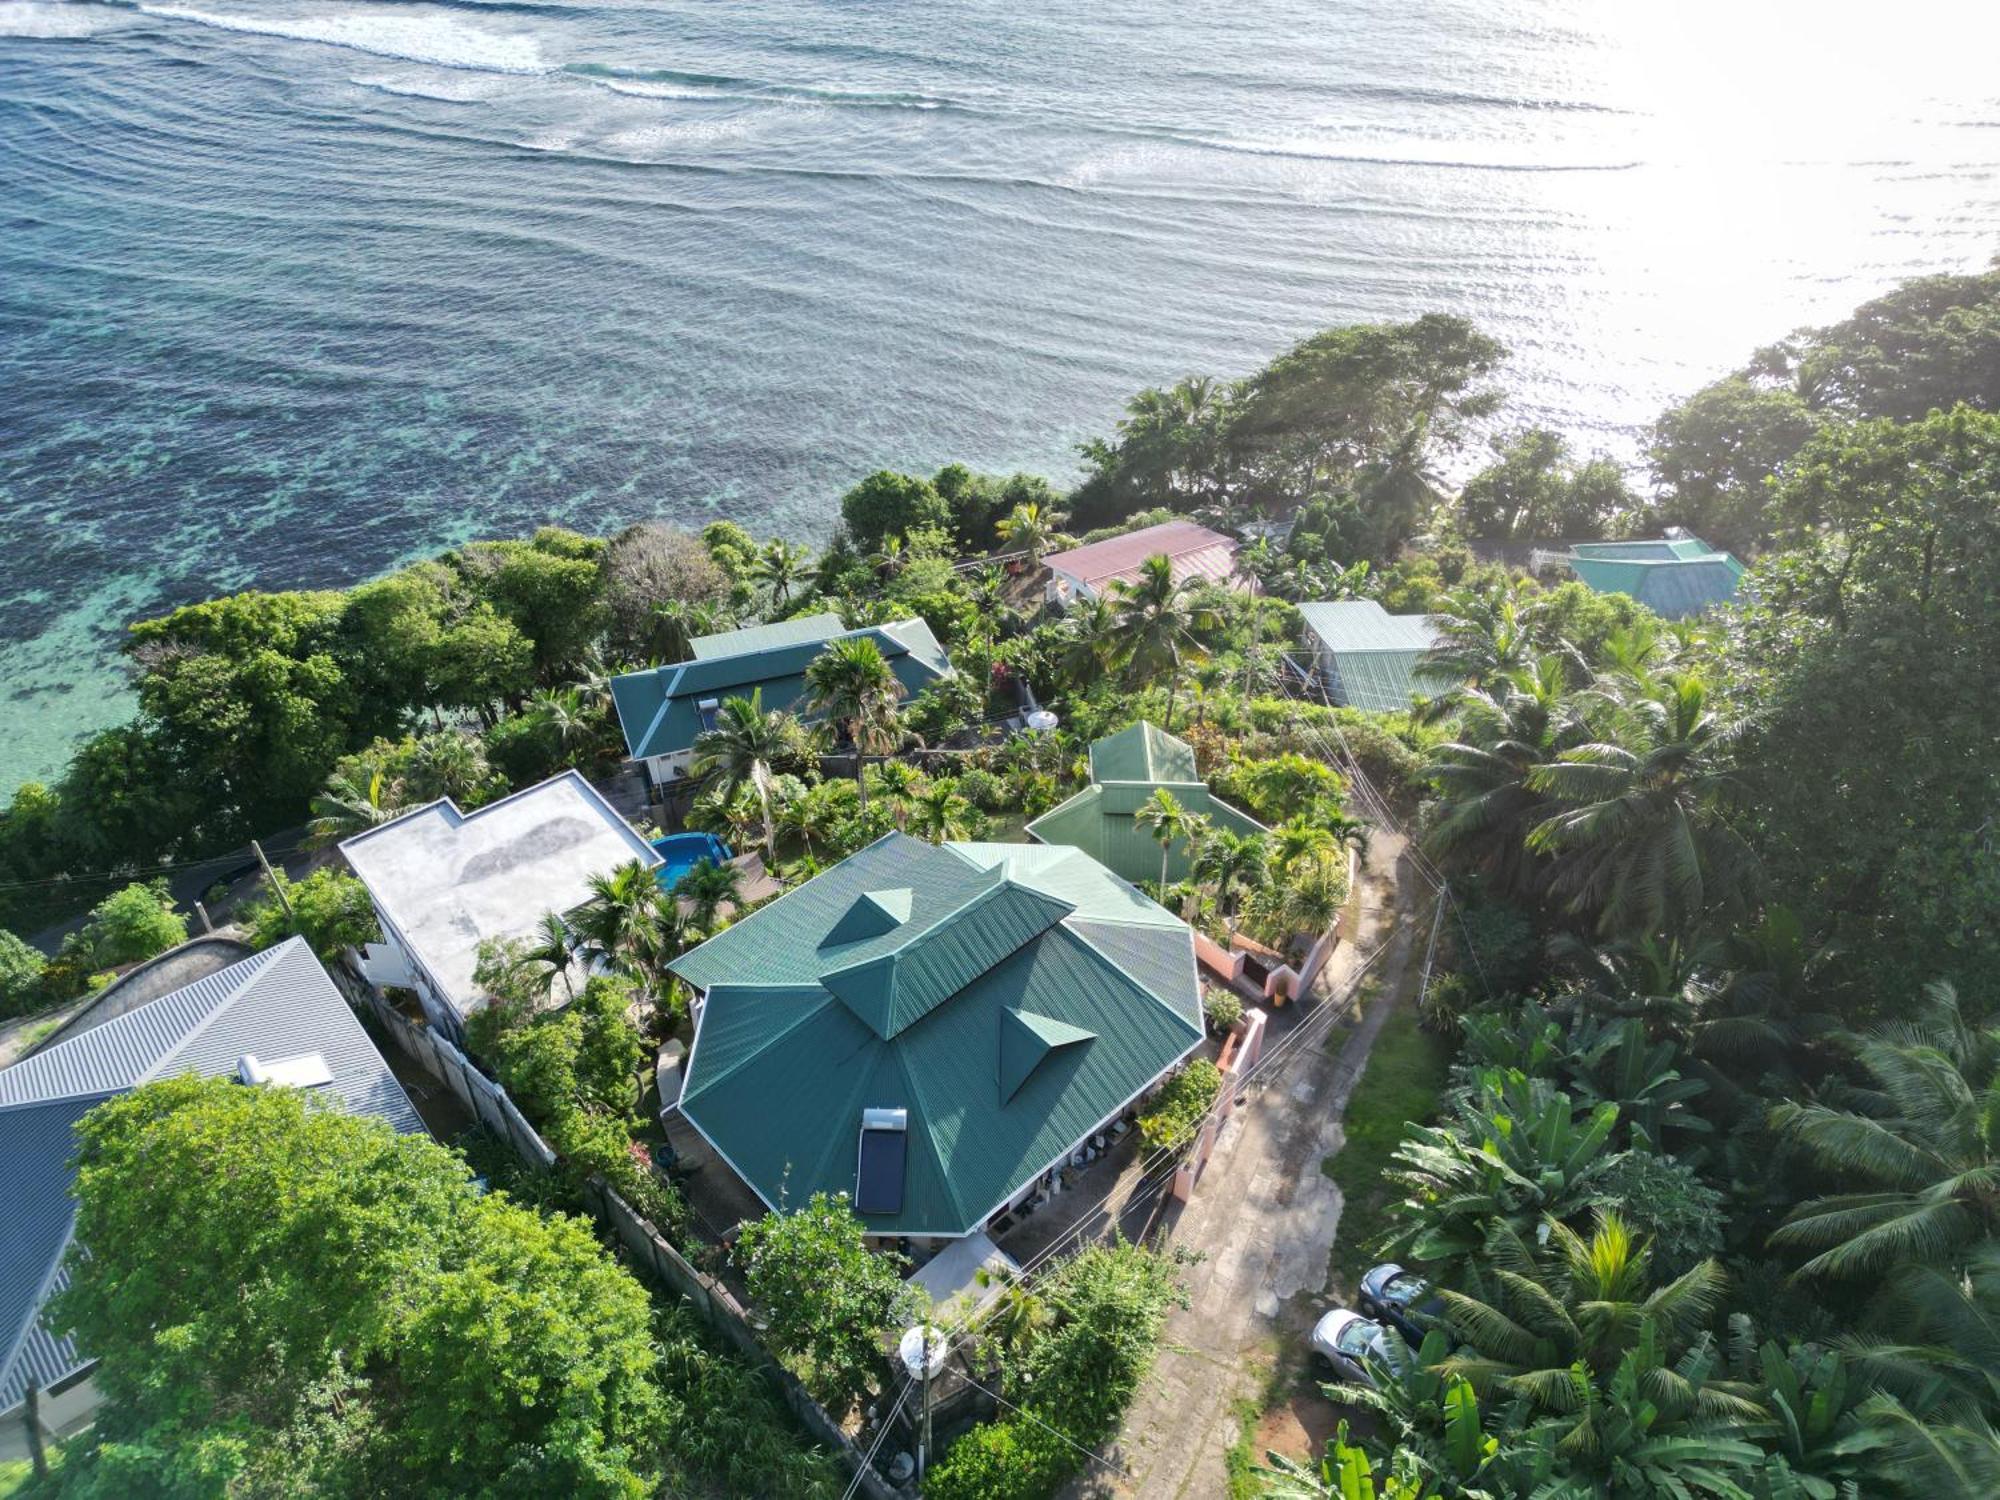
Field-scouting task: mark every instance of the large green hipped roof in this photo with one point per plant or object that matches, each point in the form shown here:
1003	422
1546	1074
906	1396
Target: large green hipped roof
1026	995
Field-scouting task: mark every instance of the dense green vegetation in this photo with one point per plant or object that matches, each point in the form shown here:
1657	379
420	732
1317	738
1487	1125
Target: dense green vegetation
353	1316
1710	1202
1078	1346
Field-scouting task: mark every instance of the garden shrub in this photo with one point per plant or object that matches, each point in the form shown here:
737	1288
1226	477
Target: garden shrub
984	790
330	909
1005	1460
1179	1106
21	966
827	1297
129	927
1221	1009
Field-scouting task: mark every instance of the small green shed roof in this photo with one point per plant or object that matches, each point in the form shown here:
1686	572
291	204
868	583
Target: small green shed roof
1125	770
1027	996
1142	752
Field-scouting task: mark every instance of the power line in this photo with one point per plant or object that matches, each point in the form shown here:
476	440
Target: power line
868	1458
1094	1457
143	872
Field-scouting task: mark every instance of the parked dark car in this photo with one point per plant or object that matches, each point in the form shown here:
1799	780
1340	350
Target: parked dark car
1347	1341
1403	1299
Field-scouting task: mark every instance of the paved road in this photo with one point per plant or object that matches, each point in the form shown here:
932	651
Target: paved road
1265	1216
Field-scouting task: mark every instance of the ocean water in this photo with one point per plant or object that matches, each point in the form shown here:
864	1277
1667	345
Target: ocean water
291	290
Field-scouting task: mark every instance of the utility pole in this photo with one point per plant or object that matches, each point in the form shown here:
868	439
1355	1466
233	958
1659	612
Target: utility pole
284	896
34	1420
924	1437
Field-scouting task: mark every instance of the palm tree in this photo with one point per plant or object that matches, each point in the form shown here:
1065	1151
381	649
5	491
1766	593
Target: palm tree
853	685
1486	806
1163	816
678	622
890	555
1089	641
745	748
898	782
619	925
809	813
1306	905
342	808
1032	529
563	715
784	567
1485	638
1511	1152
446	765
1641	839
940	813
1160	625
1234	865
1584	1305
552	952
705	889
1925	1138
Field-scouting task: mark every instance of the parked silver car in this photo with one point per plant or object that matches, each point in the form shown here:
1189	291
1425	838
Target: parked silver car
1348	1341
1400	1298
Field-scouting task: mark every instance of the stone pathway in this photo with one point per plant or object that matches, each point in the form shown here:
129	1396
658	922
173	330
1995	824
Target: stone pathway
1265	1217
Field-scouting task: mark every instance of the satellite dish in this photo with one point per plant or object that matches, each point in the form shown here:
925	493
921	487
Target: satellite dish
1041	718
911	1348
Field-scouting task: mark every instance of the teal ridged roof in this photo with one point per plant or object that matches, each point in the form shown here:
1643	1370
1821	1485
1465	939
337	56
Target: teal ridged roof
1368	657
762	637
1027	996
1142	752
1025	1039
1126	769
1673	577
892	991
659	708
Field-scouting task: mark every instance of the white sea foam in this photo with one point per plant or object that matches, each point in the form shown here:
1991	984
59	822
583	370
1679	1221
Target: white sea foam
451	87
442	41
30	18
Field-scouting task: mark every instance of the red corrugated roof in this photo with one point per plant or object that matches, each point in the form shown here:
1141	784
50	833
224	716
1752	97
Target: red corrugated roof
1196	552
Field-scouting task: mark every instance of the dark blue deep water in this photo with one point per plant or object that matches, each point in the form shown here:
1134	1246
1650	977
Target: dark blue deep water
291	290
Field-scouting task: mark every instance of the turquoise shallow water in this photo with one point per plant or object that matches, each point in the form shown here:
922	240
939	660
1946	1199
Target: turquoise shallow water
291	290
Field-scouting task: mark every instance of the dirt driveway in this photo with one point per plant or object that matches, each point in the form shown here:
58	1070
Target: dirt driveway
1265	1217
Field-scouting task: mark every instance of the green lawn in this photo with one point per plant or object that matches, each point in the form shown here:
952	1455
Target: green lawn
1405	1072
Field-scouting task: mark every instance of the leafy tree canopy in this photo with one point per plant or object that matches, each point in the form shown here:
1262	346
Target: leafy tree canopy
353	1317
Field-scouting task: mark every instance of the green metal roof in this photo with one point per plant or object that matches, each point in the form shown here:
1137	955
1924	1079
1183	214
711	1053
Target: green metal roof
763	637
1364	625
1025	1039
1142	752
1028	995
1100	819
659	708
1368	656
1673	577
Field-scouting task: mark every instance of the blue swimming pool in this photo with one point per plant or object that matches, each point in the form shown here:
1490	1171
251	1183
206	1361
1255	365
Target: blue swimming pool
683	851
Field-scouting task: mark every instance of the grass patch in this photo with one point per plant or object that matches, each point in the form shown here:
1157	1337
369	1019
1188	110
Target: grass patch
1405	1073
1240	1462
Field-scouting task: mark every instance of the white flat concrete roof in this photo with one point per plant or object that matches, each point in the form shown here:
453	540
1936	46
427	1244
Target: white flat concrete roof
448	880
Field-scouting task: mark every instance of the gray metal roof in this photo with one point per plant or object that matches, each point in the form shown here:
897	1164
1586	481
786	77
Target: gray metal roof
1363	625
279	1003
